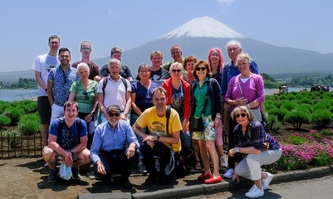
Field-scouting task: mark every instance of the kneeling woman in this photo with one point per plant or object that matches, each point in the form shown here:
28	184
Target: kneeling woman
261	149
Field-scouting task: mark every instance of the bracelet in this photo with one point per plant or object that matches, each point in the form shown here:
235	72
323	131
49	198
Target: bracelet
248	105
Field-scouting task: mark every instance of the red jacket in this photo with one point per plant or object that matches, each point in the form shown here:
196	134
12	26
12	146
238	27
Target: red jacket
187	95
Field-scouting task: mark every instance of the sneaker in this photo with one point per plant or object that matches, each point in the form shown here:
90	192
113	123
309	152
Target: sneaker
255	192
52	176
142	168
213	179
223	162
75	173
230	172
157	165
205	176
267	180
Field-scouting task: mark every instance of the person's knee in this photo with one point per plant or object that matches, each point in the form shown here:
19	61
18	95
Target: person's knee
48	153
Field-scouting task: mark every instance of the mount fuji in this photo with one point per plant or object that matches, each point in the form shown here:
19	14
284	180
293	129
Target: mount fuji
199	35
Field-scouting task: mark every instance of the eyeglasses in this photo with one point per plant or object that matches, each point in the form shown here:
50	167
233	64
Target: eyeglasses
85	93
240	115
200	68
157	100
54	42
114	114
176	70
85	49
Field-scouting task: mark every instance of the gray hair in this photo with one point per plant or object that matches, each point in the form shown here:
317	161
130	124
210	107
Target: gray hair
176	64
82	65
245	109
113	60
234	42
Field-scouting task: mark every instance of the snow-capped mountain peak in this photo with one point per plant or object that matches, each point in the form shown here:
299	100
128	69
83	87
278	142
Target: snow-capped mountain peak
203	27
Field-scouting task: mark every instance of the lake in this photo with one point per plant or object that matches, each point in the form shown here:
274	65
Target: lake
18	95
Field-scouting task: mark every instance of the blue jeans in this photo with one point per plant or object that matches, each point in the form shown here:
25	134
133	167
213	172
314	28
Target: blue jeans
185	139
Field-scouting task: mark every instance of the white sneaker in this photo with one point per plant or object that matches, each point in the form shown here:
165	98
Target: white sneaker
230	172
266	181
223	162
255	192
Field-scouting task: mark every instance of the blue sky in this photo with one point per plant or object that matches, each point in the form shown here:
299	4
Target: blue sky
26	24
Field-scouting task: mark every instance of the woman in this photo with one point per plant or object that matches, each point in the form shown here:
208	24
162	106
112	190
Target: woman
209	110
179	97
215	60
157	73
141	100
259	148
247	89
189	65
84	93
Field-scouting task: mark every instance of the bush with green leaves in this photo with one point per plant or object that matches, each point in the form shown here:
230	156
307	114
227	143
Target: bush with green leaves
289	105
14	113
4	121
322	118
29	124
3	106
279	112
305	101
304	107
297	118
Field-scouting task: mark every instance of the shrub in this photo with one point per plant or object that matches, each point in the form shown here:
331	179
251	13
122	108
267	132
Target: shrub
304	107
289	105
297	118
14	113
326	132
297	140
305	101
29	124
29	106
280	113
322	118
4	106
4	121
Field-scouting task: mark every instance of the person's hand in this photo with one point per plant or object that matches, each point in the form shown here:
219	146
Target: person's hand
101	168
235	177
217	122
68	159
240	101
123	116
232	152
88	117
184	125
130	152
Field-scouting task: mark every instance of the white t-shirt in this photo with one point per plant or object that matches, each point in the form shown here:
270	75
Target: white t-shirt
43	64
115	93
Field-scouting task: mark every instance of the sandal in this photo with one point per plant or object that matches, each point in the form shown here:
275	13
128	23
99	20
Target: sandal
198	166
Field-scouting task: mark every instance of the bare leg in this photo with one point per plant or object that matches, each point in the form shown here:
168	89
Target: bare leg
44	131
204	155
210	145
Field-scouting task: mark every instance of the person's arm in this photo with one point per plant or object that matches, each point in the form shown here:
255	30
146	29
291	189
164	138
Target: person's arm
254	67
127	105
50	92
66	156
101	104
135	108
39	80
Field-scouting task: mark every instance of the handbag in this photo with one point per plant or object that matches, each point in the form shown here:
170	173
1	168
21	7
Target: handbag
196	124
264	121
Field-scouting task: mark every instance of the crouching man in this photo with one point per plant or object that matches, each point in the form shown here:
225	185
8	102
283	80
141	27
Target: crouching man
108	149
67	141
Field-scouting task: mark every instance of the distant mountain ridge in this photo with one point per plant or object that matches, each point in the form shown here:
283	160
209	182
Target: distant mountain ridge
199	35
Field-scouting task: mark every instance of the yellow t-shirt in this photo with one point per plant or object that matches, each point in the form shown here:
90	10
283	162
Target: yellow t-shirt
150	119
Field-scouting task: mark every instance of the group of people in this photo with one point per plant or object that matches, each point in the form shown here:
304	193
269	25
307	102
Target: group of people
145	123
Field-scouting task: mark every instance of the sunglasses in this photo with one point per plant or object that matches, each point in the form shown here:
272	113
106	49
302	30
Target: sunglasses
85	93
240	115
200	68
114	114
176	70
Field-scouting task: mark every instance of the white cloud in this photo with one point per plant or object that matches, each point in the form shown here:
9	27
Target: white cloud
226	1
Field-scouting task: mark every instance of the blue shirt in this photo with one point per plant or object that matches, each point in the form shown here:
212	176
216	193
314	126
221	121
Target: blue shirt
234	71
62	82
106	138
143	98
69	137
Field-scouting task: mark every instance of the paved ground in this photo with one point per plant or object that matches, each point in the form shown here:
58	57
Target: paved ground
26	178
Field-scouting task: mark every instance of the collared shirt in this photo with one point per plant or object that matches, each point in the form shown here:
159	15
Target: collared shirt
107	138
62	82
234	71
200	96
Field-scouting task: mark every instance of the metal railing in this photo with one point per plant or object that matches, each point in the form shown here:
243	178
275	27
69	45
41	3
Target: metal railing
15	146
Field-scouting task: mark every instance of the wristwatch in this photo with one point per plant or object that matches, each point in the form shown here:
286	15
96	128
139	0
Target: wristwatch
237	150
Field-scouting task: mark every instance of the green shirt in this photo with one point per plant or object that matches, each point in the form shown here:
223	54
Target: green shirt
199	95
85	98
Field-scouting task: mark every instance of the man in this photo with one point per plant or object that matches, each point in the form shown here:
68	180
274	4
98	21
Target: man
42	66
108	150
230	70
177	55
86	50
117	91
162	141
125	71
67	140
59	82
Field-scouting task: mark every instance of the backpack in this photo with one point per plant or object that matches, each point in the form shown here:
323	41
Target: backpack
62	123
105	82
